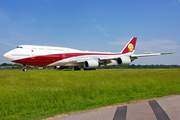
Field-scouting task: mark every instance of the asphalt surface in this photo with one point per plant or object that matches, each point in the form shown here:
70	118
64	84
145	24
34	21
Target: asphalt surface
166	108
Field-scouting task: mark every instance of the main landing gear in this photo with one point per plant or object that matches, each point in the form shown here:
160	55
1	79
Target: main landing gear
76	68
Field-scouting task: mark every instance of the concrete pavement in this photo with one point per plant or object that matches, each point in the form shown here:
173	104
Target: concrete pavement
165	108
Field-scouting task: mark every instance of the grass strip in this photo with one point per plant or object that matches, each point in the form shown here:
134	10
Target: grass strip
40	94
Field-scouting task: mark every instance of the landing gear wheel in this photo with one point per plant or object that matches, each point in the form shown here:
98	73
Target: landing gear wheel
24	69
76	68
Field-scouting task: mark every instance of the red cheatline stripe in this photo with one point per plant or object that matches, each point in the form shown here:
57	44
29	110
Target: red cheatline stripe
51	58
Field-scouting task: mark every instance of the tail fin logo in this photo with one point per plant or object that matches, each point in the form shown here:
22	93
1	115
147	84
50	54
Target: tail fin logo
131	47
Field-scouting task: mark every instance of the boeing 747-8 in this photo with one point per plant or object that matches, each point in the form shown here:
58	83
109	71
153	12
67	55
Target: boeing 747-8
62	57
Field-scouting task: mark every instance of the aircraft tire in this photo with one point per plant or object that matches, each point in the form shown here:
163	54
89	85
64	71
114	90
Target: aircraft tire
76	68
24	69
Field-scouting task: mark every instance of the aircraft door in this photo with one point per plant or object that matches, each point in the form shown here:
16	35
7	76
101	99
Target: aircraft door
32	54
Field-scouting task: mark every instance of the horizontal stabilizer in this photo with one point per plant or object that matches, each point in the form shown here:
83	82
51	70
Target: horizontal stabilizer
151	54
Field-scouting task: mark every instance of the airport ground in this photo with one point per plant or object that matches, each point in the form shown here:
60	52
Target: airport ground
38	94
164	108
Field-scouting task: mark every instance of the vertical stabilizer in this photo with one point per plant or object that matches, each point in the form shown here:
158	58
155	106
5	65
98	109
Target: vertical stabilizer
130	46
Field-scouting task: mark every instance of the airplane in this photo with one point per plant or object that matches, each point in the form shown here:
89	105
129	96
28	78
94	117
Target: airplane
61	57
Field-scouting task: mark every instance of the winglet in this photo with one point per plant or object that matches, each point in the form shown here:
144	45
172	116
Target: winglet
130	46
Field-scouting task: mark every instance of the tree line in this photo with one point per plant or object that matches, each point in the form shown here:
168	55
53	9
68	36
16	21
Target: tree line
131	66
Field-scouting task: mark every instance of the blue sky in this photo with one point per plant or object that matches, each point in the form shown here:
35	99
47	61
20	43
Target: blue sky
95	25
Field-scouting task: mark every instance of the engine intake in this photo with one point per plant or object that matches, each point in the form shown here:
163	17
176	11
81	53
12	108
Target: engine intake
91	64
124	60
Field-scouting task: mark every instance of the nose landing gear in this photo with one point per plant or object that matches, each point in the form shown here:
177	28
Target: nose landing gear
24	68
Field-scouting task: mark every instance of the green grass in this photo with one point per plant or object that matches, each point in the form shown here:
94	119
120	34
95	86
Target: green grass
40	94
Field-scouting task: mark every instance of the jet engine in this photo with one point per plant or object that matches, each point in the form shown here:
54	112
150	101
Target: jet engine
91	64
124	60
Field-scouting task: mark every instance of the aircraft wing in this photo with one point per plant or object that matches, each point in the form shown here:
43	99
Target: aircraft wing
150	54
79	60
114	57
102	60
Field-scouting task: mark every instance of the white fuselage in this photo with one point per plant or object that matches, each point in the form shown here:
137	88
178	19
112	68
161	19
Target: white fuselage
52	56
61	56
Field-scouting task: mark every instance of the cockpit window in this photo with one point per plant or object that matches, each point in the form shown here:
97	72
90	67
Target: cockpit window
18	47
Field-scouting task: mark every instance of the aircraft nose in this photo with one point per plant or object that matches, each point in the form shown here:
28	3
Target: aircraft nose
7	56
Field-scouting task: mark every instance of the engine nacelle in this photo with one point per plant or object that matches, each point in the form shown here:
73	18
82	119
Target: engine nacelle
124	60
91	64
60	67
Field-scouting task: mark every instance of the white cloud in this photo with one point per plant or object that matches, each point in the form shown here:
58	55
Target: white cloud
158	44
5	43
14	36
151	45
3	16
176	2
102	30
120	41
